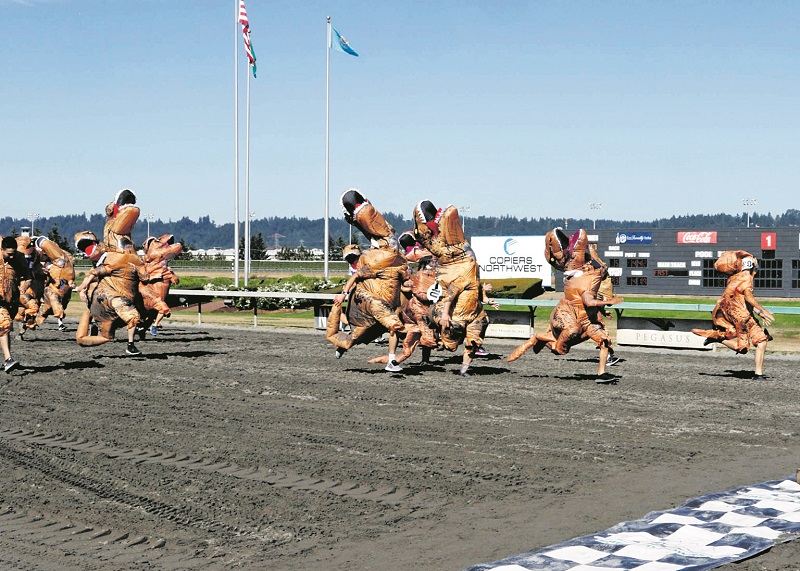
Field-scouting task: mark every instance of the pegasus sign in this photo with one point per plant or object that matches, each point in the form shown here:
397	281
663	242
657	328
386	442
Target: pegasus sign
504	257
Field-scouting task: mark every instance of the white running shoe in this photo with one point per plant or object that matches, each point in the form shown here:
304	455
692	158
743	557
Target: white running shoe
393	367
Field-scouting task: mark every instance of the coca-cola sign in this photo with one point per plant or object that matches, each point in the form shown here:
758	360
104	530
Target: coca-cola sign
697	237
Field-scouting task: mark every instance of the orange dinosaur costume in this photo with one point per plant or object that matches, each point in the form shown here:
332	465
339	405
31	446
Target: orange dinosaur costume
374	288
31	285
422	291
121	216
459	313
59	283
734	313
579	315
109	290
157	254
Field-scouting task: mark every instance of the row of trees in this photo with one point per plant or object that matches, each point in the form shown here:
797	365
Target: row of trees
289	233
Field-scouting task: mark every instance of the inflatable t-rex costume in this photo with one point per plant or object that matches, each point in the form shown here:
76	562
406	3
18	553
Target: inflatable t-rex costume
459	313
31	284
59	283
374	288
422	291
578	315
734	313
12	269
121	216
109	290
157	254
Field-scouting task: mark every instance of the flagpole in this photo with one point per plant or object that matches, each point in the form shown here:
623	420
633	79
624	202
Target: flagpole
236	144
247	187
327	143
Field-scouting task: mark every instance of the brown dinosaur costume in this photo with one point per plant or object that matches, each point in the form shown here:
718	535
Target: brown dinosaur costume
422	291
579	314
109	290
121	216
374	288
31	285
459	313
157	254
735	325
59	283
12	269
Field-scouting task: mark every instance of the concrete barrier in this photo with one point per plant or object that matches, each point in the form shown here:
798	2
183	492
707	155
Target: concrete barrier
509	324
658	332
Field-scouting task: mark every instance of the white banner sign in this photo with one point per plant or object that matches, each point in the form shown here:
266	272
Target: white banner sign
512	257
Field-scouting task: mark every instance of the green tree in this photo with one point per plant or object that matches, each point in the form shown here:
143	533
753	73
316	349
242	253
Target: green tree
60	240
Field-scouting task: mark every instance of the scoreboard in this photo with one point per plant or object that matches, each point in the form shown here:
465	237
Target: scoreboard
681	262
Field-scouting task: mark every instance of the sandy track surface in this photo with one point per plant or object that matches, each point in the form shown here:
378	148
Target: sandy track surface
224	448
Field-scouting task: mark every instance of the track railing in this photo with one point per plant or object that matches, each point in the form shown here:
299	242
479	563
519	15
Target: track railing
531	303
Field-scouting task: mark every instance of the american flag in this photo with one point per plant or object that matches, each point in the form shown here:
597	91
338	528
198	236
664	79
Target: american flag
248	47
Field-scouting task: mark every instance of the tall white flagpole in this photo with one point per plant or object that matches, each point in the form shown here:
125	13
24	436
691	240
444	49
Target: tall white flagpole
247	187
236	144
327	144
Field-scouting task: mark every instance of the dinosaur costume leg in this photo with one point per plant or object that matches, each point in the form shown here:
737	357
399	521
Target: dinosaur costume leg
82	335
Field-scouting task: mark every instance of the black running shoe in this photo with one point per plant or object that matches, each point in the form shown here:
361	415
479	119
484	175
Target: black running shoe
10	365
132	350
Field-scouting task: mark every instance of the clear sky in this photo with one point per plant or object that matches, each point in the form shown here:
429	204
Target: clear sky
531	109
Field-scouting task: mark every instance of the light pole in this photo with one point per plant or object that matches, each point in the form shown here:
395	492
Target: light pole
34	217
595	206
748	202
149	218
464	210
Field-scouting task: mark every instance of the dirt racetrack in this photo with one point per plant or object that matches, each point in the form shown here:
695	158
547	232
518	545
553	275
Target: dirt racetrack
229	448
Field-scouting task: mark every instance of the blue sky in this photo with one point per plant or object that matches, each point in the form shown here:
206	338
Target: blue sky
530	109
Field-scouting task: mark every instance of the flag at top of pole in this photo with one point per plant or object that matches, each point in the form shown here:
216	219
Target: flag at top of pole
248	46
341	44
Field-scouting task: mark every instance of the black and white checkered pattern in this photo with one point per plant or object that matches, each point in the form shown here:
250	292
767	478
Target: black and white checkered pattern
703	533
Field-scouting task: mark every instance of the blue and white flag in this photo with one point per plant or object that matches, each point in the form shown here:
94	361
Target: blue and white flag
340	43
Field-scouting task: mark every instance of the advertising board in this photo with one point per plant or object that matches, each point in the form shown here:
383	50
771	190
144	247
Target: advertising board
505	257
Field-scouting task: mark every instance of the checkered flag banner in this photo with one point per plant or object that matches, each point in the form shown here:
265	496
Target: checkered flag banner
703	533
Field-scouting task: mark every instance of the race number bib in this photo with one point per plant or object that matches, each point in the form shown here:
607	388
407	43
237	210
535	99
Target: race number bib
434	292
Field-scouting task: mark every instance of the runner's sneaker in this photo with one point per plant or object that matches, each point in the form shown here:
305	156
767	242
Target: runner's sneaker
339	352
62	327
9	365
759	378
481	352
154	330
132	350
393	367
606	379
612	360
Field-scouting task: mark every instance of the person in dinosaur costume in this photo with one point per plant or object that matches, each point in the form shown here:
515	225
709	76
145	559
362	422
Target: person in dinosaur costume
422	291
12	269
565	253
734	315
31	286
578	316
459	313
121	216
108	290
59	282
374	289
157	254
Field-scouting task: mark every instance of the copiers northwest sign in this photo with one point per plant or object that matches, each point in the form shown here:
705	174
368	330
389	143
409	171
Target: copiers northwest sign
512	257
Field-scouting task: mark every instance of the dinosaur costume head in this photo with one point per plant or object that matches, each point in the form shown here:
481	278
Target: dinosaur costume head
88	243
351	254
121	216
566	252
25	246
733	261
431	223
359	212
162	248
